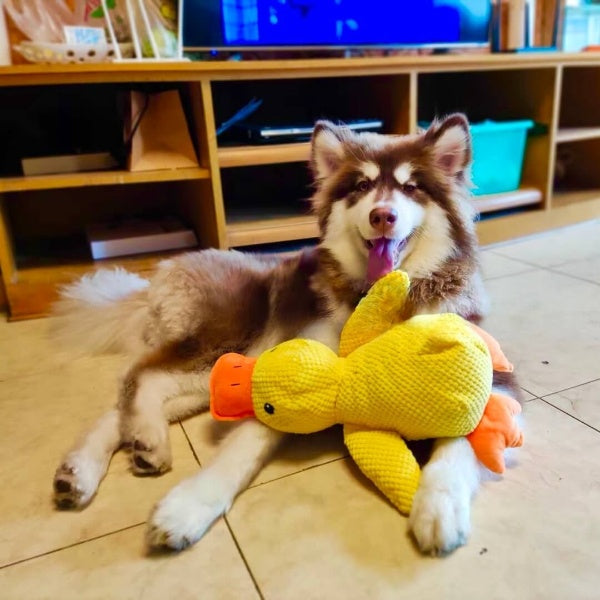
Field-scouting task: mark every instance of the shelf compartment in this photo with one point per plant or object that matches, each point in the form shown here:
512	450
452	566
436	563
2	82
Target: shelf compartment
575	134
580	97
288	101
268	231
524	196
244	156
94	178
268	203
576	165
483	95
48	245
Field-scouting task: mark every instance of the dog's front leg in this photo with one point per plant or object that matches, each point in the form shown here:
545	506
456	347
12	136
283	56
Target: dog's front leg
81	470
440	518
147	403
182	517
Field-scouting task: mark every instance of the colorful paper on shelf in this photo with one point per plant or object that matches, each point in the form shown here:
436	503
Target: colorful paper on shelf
84	35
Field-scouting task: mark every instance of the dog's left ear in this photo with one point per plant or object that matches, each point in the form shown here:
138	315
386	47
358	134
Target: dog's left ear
451	143
327	149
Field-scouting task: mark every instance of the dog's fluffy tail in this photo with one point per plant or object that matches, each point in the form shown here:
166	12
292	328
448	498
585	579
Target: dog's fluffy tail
106	311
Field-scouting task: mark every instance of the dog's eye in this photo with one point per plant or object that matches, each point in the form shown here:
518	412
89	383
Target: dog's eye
269	408
409	188
364	185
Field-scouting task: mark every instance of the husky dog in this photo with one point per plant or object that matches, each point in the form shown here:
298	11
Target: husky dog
382	203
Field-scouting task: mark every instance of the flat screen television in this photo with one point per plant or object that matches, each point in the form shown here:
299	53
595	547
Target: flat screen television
325	24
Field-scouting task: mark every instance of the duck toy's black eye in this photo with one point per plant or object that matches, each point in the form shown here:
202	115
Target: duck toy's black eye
269	408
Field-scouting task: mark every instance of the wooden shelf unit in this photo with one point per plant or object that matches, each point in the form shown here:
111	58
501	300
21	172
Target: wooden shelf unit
560	91
93	178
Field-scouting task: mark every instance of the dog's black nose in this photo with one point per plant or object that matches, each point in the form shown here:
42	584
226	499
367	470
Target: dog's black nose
383	218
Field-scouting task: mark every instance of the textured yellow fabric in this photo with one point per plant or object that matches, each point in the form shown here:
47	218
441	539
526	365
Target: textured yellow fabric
377	312
429	376
386	460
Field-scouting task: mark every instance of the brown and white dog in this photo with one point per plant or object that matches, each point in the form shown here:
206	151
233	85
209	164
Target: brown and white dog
382	202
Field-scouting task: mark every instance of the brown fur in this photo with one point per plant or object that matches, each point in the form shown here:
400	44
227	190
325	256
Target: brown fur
234	306
232	299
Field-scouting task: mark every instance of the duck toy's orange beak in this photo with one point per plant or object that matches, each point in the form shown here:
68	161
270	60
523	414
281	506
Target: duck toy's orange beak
231	387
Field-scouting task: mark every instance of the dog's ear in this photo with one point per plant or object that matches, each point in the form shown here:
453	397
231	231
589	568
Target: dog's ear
451	143
327	149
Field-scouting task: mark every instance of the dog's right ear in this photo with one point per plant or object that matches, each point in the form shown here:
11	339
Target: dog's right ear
327	151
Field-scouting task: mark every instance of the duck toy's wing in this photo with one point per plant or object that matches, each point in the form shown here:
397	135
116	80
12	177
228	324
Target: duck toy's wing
386	460
378	311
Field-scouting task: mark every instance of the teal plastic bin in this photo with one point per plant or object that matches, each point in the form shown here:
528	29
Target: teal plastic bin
498	153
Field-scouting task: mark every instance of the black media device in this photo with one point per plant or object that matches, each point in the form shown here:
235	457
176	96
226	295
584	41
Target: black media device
263	134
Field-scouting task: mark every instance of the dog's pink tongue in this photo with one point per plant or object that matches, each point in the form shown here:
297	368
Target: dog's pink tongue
381	258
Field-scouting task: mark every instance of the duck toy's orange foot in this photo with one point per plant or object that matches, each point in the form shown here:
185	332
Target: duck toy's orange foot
497	430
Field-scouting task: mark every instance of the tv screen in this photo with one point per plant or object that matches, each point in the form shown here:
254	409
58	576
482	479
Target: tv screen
254	24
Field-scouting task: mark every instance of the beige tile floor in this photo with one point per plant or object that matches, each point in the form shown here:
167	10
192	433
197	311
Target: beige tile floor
311	527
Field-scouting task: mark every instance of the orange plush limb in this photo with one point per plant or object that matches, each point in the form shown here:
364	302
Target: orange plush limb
496	431
499	360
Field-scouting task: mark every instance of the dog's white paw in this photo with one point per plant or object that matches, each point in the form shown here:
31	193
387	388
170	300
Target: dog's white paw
184	515
440	518
76	480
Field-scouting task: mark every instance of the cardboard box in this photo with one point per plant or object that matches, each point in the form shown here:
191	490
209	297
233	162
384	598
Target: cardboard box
162	139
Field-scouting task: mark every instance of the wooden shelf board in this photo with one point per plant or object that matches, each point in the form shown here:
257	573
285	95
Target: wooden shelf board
242	156
510	227
574	134
524	196
266	231
34	288
288	68
574	197
90	178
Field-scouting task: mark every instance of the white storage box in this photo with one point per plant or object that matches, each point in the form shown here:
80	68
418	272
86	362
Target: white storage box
138	237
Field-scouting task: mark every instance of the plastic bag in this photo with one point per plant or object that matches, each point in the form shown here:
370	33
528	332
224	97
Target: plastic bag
162	22
43	20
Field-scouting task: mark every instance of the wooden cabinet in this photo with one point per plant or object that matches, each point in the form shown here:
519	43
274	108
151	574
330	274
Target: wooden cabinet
247	195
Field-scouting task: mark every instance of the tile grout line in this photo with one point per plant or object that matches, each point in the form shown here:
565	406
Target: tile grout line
55	550
535	396
553	270
550	269
243	557
328	462
495	278
572	387
189	443
570	415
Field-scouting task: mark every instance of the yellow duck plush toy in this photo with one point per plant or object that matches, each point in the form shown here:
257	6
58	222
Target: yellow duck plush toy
426	377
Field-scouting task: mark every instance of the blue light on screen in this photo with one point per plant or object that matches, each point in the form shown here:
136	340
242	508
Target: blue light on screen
342	22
